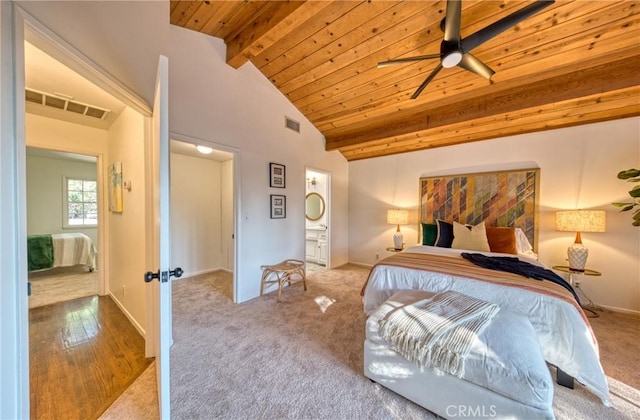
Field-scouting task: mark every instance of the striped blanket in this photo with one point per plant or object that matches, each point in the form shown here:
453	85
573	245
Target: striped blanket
438	332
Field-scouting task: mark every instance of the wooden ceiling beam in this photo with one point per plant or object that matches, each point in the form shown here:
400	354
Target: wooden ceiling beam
607	105
579	83
597	108
307	34
279	20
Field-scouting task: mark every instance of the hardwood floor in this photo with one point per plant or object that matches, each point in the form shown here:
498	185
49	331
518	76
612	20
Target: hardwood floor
83	354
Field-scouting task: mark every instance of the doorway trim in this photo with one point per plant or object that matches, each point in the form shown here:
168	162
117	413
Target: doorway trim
16	26
14	363
236	197
328	206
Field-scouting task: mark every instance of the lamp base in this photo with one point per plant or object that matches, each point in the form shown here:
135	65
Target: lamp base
577	254
398	241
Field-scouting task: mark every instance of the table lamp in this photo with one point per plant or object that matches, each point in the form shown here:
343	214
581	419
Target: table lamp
580	221
398	217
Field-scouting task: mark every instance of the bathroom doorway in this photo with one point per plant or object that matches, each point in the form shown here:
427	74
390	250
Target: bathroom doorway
317	220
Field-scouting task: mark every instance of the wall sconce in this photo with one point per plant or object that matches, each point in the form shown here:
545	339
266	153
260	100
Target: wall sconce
311	183
398	217
580	221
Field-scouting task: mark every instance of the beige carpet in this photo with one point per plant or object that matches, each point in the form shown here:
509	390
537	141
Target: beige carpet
139	401
61	284
302	358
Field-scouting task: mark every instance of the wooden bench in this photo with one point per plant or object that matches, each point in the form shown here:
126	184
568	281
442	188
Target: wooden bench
286	271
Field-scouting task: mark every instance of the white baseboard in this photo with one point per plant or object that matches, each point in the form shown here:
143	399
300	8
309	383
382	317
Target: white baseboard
205	271
360	264
128	315
621	310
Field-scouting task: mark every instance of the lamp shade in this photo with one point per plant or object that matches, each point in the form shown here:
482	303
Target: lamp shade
581	221
398	217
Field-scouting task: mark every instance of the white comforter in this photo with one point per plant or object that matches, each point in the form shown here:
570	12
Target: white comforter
565	339
71	249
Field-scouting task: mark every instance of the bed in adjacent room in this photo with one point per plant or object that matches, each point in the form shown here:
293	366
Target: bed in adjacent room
60	250
488	218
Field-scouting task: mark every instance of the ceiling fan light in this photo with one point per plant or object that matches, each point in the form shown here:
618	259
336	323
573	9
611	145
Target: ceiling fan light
452	59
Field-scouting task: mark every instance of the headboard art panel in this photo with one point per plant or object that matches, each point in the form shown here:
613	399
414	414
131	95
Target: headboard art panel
504	198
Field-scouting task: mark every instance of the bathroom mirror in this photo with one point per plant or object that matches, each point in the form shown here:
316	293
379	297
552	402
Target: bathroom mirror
314	206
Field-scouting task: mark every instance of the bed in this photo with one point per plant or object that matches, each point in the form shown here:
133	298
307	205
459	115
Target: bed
60	250
506	202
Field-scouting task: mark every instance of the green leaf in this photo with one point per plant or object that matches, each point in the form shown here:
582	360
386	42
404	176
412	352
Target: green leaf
620	204
635	191
629	173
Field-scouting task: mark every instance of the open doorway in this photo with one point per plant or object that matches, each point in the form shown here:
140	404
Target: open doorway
62	226
317	221
86	339
202	213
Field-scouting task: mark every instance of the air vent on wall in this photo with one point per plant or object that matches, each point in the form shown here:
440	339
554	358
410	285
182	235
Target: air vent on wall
63	103
292	124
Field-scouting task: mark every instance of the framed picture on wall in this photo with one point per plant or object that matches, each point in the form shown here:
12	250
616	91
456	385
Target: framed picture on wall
276	175
115	187
278	206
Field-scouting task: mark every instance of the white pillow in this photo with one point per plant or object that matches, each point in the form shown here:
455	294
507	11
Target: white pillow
473	238
523	246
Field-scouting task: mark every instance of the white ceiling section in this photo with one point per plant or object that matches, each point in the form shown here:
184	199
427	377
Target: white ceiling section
189	149
45	74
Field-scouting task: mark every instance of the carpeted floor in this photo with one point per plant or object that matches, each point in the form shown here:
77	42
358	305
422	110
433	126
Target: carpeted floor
302	358
61	284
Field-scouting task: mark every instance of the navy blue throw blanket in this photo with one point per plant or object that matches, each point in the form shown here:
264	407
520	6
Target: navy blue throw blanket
516	266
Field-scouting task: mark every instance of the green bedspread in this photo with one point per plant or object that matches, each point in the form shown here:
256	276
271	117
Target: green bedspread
40	252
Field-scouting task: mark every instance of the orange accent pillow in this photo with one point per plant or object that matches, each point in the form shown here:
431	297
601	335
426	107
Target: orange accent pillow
502	239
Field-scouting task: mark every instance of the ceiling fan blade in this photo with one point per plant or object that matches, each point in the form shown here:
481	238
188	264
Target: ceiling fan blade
408	60
474	65
452	21
426	81
503	24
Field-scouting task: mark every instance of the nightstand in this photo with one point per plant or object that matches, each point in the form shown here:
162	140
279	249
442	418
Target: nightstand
576	285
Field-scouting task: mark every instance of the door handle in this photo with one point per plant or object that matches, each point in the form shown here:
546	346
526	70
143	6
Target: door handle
149	276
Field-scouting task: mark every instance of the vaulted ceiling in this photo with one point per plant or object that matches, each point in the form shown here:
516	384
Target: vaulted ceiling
575	62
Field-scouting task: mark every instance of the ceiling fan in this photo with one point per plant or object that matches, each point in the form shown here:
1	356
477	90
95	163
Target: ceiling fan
454	51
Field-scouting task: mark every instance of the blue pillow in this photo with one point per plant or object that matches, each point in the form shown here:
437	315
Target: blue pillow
444	239
429	233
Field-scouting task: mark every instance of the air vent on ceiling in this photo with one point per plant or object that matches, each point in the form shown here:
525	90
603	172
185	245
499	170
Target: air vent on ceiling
63	103
292	124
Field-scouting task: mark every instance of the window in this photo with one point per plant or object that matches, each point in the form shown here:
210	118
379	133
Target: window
80	202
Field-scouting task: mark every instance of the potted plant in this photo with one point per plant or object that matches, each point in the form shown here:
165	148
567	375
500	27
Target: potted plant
631	175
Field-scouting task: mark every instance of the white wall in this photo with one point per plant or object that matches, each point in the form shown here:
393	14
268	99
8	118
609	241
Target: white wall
127	247
45	183
215	103
196	214
47	133
578	168
243	110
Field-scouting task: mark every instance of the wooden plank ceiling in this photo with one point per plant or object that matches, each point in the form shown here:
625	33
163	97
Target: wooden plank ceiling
575	62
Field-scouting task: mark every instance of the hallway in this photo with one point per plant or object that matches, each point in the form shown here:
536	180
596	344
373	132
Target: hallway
83	354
